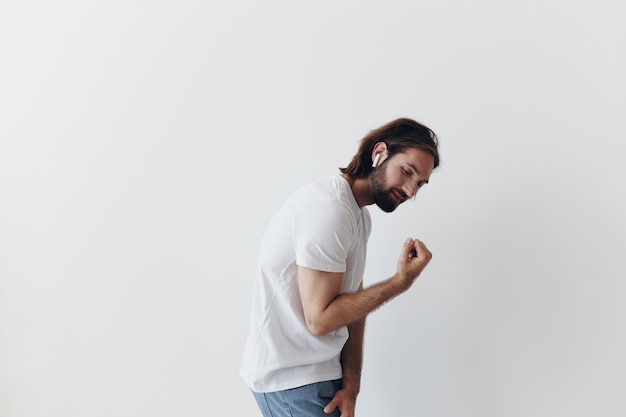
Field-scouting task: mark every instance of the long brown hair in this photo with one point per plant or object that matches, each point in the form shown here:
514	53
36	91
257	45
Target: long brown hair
398	134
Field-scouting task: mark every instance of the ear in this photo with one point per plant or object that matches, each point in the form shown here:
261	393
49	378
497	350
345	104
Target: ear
379	153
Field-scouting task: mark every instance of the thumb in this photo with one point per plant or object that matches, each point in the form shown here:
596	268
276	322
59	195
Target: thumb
407	248
330	407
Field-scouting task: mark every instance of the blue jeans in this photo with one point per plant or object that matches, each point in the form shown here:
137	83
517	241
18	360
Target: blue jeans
306	401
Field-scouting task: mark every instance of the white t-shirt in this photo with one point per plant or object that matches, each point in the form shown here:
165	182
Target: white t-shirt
321	227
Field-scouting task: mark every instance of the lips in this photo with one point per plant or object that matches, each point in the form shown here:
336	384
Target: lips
398	196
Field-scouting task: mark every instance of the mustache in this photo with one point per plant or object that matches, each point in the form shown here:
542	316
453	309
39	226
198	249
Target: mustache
403	196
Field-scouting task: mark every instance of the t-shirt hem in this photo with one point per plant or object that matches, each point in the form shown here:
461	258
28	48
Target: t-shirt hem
323	266
295	384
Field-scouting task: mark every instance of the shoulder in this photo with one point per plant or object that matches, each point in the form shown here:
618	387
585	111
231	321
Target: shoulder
323	208
329	193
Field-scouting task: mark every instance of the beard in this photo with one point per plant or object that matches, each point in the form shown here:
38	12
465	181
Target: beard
383	197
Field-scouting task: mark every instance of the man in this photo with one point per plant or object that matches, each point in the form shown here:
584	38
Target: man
304	350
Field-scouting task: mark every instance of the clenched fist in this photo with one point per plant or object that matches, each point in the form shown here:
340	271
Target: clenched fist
413	259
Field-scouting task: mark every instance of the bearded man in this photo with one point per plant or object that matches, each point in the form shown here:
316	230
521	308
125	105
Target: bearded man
303	355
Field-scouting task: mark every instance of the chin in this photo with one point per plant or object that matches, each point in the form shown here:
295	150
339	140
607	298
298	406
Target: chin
387	208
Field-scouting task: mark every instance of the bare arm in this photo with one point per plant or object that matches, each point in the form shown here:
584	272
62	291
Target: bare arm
326	310
352	355
351	364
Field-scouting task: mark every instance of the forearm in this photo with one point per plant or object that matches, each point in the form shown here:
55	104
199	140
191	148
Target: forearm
352	357
350	307
351	360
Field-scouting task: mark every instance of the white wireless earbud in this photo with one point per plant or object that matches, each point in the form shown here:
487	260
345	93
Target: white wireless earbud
376	159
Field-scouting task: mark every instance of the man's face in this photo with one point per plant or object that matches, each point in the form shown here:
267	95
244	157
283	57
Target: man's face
400	177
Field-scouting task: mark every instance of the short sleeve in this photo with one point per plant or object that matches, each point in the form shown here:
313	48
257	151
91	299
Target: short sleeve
323	235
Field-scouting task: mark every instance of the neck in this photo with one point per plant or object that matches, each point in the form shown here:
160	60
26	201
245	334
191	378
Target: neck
361	189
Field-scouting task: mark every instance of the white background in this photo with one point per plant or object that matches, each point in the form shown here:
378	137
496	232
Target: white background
144	146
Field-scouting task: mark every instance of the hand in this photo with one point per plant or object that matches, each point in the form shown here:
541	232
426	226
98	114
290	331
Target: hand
345	401
413	259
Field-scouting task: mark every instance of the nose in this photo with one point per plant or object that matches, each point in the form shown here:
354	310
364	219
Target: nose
410	189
